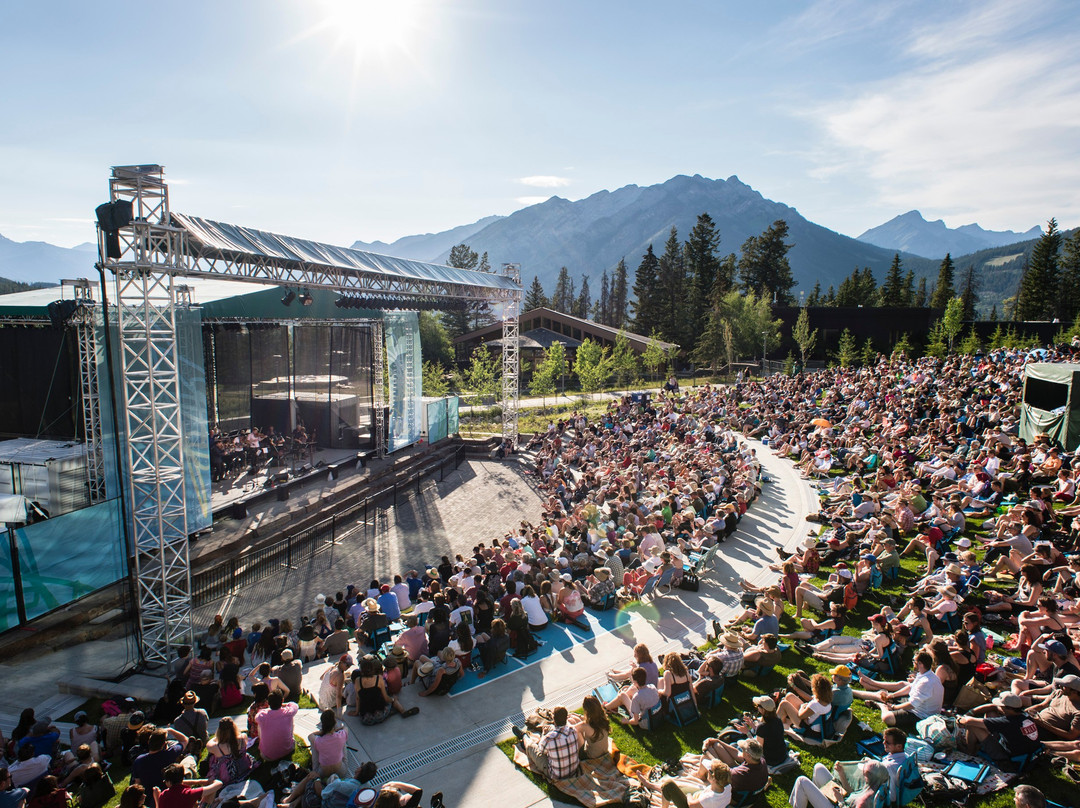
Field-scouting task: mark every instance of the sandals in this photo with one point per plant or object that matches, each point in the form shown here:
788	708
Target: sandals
410	712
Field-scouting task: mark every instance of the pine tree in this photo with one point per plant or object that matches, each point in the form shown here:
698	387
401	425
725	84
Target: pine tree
703	270
1040	291
969	297
993	313
869	355
892	290
535	297
944	291
850	291
562	299
457	321
602	307
1070	278
618	315
583	303
920	296
764	267
646	286
909	288
483	265
830	297
815	295
868	289
846	349
671	288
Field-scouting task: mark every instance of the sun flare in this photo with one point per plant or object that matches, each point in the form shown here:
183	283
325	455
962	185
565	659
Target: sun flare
371	28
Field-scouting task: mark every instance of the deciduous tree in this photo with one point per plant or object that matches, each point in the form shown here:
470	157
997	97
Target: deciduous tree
592	365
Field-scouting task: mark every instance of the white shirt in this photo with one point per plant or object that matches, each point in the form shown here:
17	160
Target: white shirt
534	611
927	694
27	771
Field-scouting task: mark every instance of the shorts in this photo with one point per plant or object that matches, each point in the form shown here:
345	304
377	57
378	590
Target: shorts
906	720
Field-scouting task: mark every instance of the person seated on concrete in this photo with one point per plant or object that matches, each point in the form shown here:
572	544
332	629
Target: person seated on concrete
438	678
43	737
569	605
389	603
275	724
371	619
636	699
262	675
336	643
598	587
291	672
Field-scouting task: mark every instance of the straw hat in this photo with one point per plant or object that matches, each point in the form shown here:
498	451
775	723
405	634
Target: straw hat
766	606
189	699
731	641
426	668
809	543
371	605
603	573
948	591
953	569
399	653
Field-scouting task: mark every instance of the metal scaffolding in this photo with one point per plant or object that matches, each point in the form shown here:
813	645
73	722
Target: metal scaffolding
511	365
378	386
84	323
155	248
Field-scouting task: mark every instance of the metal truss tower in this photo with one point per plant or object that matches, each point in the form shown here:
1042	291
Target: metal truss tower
511	364
84	323
151	251
378	386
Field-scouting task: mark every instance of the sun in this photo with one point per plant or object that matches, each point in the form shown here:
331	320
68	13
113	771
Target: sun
371	29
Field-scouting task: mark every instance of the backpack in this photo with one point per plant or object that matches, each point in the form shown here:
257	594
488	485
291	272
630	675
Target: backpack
851	597
111	707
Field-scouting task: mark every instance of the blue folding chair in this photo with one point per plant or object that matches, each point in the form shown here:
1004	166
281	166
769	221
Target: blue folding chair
742	798
682	709
651	719
714	696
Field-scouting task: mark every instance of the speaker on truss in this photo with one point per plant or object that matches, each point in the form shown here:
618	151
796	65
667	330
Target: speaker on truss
111	217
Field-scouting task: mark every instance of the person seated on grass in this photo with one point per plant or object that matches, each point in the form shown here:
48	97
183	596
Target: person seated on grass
869	650
807	594
767	606
636	699
556	754
746	759
794	712
767	728
713	791
708	676
227	755
1053	658
914	616
807	560
814	631
275	725
641	659
676	679
96	789
1001	731
1028	591
1044	619
823	790
840	676
182	793
765	654
593	728
49	794
903	704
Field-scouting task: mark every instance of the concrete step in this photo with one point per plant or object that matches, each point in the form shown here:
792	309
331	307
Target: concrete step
144	689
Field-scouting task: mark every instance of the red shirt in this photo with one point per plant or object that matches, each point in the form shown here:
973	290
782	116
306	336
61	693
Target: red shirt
179	797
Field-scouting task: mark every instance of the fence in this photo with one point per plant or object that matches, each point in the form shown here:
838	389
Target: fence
367	515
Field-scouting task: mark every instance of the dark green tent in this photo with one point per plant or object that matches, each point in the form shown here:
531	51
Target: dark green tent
1051	403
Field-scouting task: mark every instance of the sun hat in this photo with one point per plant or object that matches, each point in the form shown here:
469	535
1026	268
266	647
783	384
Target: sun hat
426	668
371	605
731	641
765	605
136	719
566	577
948	591
953	569
841	670
398	652
1010	700
844	572
809	543
189	699
766	703
602	571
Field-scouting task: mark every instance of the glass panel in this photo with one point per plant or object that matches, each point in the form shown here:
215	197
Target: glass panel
9	613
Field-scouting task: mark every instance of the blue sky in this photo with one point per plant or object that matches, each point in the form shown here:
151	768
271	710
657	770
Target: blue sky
350	119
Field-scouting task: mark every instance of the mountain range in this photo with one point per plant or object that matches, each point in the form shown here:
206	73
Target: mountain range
911	233
592	234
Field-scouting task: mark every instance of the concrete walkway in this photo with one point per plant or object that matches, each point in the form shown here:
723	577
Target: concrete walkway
449	746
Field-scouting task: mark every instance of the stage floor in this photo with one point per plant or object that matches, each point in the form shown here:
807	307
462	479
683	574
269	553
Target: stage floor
245	485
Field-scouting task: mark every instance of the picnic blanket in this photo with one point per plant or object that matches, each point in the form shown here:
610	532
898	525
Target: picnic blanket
600	782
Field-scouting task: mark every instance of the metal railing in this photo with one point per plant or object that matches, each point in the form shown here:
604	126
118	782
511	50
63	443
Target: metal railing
359	521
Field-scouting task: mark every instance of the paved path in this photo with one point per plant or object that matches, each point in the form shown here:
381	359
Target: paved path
449	746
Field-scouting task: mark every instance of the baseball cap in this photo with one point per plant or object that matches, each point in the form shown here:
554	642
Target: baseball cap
1072	681
841	670
1010	700
1056	647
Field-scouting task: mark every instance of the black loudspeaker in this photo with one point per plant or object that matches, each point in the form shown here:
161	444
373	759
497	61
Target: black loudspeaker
238	510
282	494
111	217
276	479
304	469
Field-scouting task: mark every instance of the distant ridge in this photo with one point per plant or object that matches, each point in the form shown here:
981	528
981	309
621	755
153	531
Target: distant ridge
910	232
422	247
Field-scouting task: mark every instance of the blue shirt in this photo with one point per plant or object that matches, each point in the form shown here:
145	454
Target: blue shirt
766	625
13	797
388	604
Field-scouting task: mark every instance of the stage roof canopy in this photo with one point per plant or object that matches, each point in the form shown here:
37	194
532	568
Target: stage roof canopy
233	242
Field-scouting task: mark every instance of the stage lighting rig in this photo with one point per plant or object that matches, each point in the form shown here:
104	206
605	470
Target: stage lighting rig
288	298
305	298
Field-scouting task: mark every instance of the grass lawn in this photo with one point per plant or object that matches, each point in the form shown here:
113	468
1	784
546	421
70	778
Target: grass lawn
669	742
121	775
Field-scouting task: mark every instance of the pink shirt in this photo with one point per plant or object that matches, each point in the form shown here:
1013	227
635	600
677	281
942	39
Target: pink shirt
276	731
331	748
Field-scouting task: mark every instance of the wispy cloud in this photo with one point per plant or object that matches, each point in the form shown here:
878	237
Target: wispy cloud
545	181
532	200
826	22
985	126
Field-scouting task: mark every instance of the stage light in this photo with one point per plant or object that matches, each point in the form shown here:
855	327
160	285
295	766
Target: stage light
289	297
305	298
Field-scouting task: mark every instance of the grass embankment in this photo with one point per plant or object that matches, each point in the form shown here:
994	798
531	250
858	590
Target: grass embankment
670	743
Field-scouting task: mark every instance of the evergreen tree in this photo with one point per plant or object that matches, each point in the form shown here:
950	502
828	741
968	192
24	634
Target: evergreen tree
433	379
920	296
764	267
603	306
969	297
1070	278
869	355
944	291
458	321
993	313
646	285
618	315
483	265
1040	291
562	299
815	295
583	303
830	297
909	288
846	349
703	269
671	287
851	289
535	297
868	289
892	290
